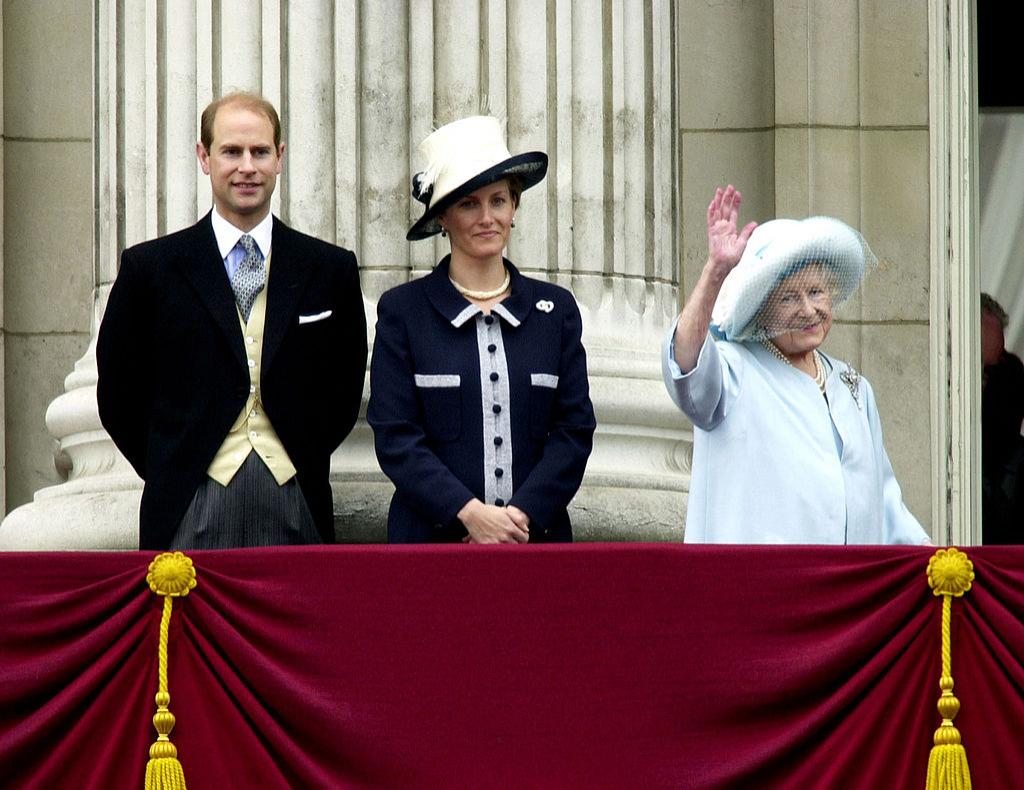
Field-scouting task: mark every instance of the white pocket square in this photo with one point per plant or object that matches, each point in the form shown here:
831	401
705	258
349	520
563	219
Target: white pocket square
309	319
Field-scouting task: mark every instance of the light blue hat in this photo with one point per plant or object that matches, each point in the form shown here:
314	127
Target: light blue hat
777	249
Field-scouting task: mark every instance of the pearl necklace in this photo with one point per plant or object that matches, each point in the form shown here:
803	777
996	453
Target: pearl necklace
820	374
484	295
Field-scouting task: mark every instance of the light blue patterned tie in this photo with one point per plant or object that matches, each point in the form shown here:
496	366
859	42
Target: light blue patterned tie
249	277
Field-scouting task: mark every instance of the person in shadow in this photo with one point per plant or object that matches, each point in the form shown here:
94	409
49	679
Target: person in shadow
1002	446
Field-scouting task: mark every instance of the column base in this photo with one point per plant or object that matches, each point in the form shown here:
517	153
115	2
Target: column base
73	517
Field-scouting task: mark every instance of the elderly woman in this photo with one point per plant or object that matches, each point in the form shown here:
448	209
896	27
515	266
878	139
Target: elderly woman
479	401
787	440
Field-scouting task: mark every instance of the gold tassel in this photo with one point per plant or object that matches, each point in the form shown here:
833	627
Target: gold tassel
950	574
170	575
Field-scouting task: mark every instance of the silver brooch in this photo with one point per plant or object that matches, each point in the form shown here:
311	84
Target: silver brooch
545	305
851	378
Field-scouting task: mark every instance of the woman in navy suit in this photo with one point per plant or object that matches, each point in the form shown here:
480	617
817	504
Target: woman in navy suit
479	403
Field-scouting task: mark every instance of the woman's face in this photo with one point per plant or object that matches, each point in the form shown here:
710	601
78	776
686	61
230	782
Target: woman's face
478	224
798	313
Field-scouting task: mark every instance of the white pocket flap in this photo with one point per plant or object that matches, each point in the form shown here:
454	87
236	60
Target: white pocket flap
438	380
544	380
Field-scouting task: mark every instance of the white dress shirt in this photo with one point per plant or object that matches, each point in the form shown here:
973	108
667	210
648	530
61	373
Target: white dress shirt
228	235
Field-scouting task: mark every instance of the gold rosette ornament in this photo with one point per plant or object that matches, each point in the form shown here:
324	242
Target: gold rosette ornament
170	575
950	575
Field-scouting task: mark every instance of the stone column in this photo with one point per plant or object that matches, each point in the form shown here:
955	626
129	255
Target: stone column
612	238
47	225
358	85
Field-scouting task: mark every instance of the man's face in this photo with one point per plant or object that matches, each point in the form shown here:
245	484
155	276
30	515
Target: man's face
992	341
242	164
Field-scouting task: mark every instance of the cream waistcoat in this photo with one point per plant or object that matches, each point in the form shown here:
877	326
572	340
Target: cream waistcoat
252	429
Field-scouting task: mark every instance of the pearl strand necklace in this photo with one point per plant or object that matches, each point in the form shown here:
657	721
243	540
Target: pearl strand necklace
820	375
484	295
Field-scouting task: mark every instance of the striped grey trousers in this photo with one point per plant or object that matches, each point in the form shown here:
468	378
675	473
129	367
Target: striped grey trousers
252	510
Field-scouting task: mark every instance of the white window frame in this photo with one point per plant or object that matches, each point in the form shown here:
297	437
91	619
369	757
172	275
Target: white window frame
955	277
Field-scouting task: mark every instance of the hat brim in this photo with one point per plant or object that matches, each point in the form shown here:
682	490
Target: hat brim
823	240
530	168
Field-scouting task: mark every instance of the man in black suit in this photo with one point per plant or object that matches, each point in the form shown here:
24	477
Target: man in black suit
232	356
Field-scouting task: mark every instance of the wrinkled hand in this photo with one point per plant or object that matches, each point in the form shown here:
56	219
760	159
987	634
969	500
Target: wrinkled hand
725	248
492	524
725	244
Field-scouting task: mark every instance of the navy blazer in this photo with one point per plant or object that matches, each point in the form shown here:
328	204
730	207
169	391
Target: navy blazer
173	375
430	439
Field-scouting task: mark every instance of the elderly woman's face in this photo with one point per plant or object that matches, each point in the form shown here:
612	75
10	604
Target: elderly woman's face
798	313
478	224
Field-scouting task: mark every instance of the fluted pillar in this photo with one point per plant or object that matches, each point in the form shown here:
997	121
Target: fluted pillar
359	84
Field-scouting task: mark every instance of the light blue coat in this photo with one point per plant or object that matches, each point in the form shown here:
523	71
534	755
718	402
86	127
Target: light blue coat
775	462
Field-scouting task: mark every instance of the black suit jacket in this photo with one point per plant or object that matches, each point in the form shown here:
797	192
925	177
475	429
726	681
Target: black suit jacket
173	375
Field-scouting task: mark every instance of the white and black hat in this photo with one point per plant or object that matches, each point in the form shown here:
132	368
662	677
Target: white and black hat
463	156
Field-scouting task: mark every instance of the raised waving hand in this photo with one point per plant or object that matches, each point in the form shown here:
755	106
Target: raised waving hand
725	248
725	242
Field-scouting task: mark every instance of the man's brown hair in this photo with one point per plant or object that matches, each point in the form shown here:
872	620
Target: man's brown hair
247	101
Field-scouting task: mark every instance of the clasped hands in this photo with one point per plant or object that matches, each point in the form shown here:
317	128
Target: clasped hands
494	524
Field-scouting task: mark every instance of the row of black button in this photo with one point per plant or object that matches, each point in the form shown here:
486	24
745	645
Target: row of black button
496	408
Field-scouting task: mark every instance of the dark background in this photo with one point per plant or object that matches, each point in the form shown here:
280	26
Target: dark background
1000	54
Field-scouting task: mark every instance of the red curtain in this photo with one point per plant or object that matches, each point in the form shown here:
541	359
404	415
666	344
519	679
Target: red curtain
626	665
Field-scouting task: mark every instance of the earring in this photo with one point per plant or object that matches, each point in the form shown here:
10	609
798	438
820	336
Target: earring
513	223
444	233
